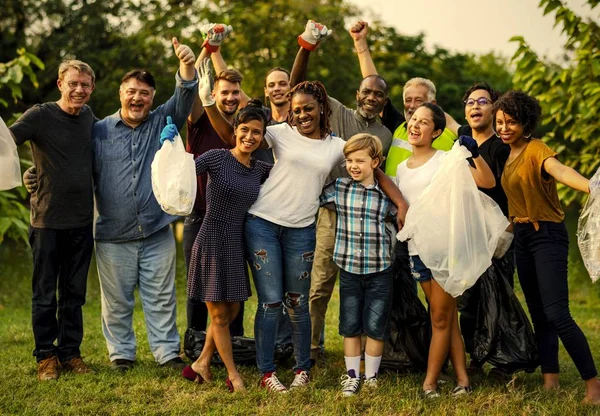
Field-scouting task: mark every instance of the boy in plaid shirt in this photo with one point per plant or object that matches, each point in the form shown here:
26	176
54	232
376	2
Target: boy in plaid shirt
362	251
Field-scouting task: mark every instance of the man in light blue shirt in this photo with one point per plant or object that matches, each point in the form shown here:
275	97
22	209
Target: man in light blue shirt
134	242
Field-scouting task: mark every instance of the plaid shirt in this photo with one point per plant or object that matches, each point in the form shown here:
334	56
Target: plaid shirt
361	243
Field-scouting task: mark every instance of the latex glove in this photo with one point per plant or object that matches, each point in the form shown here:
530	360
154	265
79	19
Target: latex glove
470	144
205	84
169	132
30	180
184	53
313	34
214	34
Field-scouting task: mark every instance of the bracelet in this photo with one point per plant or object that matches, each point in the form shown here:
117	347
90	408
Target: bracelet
364	50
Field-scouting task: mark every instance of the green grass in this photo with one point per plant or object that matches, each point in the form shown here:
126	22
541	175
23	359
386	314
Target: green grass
148	389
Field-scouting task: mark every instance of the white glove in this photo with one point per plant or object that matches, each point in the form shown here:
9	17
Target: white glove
313	34
205	84
214	34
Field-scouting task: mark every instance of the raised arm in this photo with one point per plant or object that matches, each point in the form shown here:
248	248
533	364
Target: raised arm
391	190
359	32
308	40
482	174
566	175
214	34
219	123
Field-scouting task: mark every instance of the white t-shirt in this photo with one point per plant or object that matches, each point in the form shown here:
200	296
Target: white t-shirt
412	182
290	196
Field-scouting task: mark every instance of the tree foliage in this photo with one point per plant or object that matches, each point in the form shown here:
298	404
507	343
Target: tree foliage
569	93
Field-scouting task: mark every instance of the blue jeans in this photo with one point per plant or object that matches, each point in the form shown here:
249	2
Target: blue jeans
281	260
365	302
149	264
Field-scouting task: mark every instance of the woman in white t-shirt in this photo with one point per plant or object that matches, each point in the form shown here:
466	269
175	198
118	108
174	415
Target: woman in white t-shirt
413	176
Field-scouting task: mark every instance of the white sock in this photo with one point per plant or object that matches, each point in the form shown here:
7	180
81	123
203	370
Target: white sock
353	364
371	366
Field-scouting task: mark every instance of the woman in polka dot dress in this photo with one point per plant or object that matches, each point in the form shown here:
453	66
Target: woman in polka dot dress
218	274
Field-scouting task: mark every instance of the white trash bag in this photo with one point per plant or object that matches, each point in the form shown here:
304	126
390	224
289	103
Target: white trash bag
455	227
174	178
10	167
588	229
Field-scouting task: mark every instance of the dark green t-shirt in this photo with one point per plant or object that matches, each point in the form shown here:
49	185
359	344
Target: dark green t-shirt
61	145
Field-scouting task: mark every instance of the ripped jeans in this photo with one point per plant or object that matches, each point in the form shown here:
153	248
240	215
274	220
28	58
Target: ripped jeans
281	259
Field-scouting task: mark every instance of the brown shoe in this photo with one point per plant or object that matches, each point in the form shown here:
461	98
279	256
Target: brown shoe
49	369
77	365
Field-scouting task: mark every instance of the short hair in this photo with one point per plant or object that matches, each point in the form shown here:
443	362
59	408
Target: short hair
79	66
317	90
365	141
254	110
525	109
379	77
439	117
141	75
494	94
277	69
231	75
421	82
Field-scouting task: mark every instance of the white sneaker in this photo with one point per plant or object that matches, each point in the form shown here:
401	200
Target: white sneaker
350	385
271	383
371	383
301	379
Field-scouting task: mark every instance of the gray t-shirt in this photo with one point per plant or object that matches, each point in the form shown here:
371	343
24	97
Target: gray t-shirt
61	145
345	123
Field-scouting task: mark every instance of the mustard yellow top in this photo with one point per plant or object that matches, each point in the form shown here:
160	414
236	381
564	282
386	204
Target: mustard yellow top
530	190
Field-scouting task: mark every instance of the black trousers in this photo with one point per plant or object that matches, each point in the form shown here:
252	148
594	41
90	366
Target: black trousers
468	302
61	261
196	311
542	258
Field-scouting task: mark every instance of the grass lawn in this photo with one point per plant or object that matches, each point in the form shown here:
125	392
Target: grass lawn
148	389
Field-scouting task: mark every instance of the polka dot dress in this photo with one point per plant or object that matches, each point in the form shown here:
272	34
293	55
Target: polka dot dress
218	271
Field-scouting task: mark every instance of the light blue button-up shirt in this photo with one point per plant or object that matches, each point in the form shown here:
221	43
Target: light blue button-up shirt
127	208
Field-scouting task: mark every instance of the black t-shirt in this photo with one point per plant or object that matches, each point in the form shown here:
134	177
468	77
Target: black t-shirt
495	153
61	145
392	118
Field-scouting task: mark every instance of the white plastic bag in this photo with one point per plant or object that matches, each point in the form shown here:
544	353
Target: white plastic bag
174	178
454	226
10	168
588	229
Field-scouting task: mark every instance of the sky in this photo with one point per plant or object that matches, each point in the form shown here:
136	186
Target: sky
475	26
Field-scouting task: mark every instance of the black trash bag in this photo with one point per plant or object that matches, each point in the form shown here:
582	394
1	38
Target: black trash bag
244	349
407	349
503	335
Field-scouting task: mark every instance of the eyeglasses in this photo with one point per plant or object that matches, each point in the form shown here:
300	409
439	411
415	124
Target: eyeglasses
480	101
75	84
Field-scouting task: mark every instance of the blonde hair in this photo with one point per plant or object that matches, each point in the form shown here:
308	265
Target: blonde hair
80	66
364	141
420	82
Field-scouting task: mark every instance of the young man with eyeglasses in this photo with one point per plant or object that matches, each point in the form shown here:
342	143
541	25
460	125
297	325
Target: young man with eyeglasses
62	204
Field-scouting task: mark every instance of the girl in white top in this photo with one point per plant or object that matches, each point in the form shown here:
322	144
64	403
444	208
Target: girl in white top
412	177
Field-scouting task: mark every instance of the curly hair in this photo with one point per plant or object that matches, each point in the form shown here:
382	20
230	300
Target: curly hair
317	90
254	110
525	109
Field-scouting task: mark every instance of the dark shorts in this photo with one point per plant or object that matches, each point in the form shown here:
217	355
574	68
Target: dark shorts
365	302
419	271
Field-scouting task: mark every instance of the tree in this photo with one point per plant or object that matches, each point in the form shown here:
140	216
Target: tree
569	93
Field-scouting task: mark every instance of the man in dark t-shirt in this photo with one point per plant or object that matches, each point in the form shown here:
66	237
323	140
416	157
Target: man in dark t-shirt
62	205
478	102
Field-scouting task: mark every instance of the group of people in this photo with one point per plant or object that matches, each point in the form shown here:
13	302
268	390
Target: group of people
298	190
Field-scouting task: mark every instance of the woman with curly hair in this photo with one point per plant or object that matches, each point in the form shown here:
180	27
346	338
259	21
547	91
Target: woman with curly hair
541	239
279	231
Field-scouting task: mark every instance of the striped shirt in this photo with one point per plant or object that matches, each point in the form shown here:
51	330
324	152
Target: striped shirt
361	243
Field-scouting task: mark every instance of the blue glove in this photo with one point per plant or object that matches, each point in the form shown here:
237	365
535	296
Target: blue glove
169	132
470	144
